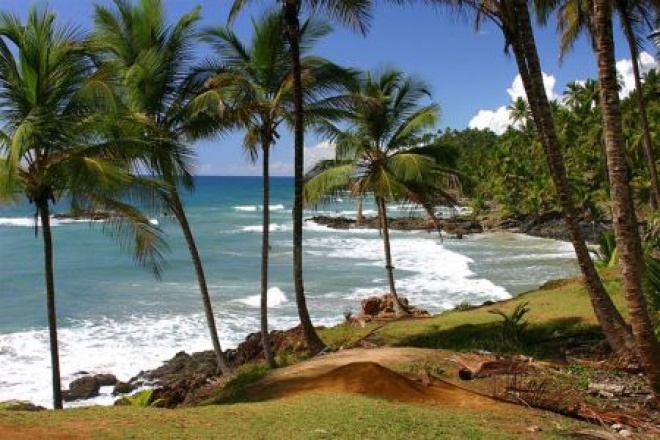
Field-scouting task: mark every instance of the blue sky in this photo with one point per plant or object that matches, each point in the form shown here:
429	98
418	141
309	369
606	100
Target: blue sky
468	72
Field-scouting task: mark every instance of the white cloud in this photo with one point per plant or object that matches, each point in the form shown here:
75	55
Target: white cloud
625	70
321	151
499	120
517	89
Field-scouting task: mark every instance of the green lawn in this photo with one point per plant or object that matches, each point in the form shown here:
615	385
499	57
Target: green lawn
560	308
312	416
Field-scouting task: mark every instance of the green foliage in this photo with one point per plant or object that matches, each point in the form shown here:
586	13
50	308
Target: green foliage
606	255
142	399
513	328
508	172
237	388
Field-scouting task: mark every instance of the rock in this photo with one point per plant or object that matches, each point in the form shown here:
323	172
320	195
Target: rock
83	388
20	405
465	374
382	307
123	388
608	390
625	433
106	380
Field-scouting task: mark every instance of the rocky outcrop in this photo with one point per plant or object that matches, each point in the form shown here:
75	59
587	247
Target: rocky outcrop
84	215
83	388
382	307
456	228
105	379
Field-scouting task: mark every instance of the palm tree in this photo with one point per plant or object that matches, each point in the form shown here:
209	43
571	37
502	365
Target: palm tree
635	17
513	19
626	231
380	153
151	62
254	84
355	14
59	142
519	112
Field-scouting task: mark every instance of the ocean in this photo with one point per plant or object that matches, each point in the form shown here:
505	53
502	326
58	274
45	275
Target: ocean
114	317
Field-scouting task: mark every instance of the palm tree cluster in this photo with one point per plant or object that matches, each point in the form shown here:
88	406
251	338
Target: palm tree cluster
106	122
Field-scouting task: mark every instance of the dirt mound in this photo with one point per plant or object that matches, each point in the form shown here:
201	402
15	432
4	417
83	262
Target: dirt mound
368	378
372	379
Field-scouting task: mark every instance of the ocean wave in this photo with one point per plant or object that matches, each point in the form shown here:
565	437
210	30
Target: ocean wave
255	208
122	348
427	273
273	227
276	298
28	222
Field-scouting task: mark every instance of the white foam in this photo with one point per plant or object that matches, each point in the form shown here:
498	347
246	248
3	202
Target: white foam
427	273
273	227
122	348
276	297
28	222
254	208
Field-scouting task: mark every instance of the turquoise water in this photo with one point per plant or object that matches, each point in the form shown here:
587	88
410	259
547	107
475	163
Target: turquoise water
114	317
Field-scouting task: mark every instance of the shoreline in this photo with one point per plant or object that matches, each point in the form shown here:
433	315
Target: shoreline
550	226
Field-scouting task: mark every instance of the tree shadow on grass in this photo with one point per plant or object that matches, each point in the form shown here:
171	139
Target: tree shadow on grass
548	339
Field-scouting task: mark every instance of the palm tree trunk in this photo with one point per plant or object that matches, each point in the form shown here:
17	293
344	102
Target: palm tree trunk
609	318
360	216
293	34
265	249
50	300
181	217
389	268
643	117
626	230
430	211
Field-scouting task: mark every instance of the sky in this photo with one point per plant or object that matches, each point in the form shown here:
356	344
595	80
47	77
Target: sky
472	79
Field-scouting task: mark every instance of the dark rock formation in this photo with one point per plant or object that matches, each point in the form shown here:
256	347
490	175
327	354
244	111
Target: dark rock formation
124	388
382	307
83	388
106	380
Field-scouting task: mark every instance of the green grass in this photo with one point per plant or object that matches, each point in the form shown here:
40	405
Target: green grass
236	390
558	309
311	416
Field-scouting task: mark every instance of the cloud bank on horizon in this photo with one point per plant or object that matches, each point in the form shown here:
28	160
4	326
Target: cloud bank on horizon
499	120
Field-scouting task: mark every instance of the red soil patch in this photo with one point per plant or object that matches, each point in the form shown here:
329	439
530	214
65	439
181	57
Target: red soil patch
373	379
26	433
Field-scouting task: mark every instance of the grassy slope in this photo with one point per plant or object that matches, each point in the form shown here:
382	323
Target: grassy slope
562	306
313	416
559	308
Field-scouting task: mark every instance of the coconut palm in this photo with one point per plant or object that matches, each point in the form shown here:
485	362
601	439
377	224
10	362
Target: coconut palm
513	19
254	84
59	142
635	17
150	60
519	112
628	240
355	14
380	153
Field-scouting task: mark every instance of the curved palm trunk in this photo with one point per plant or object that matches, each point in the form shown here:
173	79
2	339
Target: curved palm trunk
626	230
430	211
50	300
643	117
265	250
609	318
180	214
293	34
389	268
